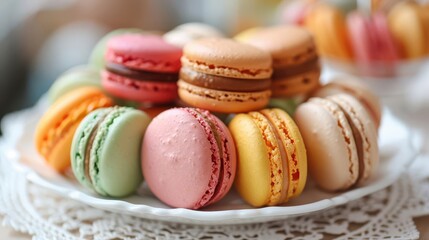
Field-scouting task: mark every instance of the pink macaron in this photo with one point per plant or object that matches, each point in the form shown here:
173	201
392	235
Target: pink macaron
370	38
188	158
373	45
141	68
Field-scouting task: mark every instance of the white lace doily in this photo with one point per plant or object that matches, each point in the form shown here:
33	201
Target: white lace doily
32	209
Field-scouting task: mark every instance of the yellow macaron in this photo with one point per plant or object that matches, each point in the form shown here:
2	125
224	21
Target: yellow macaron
272	160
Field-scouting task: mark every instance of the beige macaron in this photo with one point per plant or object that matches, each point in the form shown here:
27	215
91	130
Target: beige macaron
340	139
359	90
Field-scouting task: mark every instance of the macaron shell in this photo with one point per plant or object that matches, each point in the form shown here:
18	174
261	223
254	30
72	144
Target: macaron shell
227	176
135	90
144	52
79	144
222	101
81	76
366	129
331	150
407	27
295	150
55	129
96	58
253	178
362	37
302	83
288	45
329	29
115	166
386	46
226	57
187	32
345	84
182	178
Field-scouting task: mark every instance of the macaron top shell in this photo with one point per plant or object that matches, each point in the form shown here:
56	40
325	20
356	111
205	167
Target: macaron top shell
188	32
74	78
357	89
144	52
96	58
226	57
287	44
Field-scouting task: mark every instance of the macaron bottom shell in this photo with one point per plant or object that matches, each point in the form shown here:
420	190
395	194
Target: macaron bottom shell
136	90
222	101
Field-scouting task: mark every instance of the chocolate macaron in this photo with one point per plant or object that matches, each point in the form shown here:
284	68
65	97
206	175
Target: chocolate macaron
223	75
295	59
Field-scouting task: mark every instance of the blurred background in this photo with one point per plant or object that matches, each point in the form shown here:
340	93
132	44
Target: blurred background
40	39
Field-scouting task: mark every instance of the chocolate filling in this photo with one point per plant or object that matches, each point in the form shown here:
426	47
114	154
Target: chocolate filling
140	74
280	73
223	83
358	140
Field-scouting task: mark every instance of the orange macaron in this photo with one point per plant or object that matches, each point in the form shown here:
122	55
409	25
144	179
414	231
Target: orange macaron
223	75
54	132
296	69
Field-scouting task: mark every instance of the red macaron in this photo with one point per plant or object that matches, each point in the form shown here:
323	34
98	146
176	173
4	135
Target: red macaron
142	68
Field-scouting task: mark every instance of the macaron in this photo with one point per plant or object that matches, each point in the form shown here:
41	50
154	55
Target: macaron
295	12
54	132
96	59
187	32
106	150
328	26
223	75
76	77
246	34
359	90
272	160
296	69
188	158
341	141
141	68
371	39
408	27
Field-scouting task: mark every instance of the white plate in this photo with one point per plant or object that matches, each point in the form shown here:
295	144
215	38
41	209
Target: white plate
396	152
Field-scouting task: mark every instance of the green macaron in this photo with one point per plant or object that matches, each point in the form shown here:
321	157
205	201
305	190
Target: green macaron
96	59
287	104
76	77
106	150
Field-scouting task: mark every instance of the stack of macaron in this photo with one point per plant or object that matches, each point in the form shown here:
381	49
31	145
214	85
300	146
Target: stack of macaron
382	35
173	140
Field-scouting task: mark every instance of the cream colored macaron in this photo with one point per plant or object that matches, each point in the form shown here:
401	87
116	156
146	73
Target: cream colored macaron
340	139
